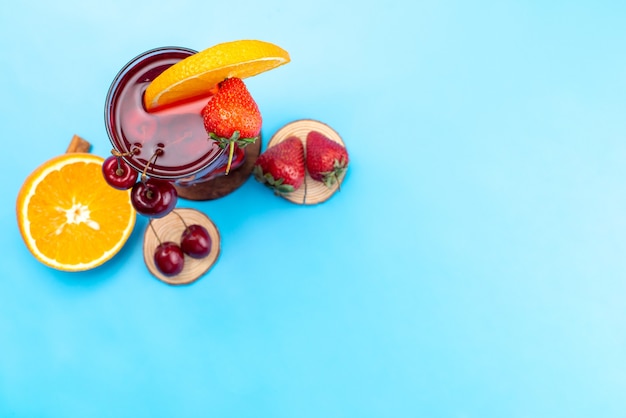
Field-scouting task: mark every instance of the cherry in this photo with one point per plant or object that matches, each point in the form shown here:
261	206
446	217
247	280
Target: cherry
154	198
195	241
118	174
169	258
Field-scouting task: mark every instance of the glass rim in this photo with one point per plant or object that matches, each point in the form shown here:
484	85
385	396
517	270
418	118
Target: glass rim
111	95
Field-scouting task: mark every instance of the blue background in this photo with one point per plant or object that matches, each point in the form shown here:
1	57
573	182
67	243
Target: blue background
472	265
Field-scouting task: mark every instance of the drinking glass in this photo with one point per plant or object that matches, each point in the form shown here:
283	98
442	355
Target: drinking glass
169	143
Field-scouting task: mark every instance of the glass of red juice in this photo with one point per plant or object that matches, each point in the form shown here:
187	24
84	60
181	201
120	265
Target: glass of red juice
171	142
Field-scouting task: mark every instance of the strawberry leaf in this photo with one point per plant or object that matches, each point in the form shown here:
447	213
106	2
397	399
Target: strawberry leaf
277	185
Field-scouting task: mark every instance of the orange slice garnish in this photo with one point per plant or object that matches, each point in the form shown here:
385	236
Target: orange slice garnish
69	217
197	74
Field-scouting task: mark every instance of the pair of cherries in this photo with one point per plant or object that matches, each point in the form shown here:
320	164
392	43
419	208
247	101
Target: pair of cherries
151	197
169	257
156	198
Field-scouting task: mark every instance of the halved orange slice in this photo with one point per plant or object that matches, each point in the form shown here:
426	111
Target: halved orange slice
69	217
197	74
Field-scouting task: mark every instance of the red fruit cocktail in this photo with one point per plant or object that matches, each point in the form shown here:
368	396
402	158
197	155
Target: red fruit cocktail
169	143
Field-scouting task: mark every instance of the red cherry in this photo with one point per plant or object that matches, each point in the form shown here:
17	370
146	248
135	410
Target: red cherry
154	197
195	241
169	258
118	174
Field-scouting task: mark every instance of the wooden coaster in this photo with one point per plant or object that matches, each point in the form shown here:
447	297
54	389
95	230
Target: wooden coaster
170	228
311	192
223	185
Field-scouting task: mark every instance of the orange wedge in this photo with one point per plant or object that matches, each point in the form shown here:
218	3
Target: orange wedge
69	217
197	74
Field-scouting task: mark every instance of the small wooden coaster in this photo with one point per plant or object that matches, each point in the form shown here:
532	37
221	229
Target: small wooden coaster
223	185
311	192
170	228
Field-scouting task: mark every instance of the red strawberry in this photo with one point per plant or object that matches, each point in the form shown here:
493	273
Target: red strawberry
281	167
326	159
232	116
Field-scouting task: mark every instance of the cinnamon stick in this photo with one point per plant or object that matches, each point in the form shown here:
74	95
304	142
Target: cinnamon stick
78	144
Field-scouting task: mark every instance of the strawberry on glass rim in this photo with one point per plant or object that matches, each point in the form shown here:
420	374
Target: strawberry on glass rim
231	116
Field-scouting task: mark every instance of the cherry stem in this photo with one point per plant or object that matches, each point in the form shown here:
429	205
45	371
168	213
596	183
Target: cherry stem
181	218
154	231
119	171
151	161
124	154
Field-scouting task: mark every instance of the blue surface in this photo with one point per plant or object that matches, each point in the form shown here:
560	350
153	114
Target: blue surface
472	265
